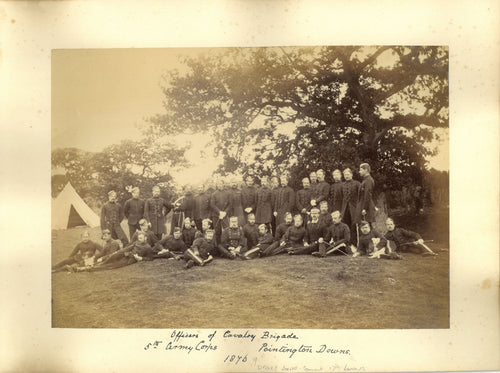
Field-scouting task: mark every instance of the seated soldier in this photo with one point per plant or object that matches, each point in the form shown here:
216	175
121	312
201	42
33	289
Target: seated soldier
135	252
199	253
293	238
325	218
172	244
315	233
250	232
150	236
83	251
188	232
370	241
264	240
110	246
400	239
337	237
232	240
280	231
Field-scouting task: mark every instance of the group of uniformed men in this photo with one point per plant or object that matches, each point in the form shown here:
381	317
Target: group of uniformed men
320	219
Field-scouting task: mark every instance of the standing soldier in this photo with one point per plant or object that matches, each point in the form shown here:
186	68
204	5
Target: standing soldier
188	204
155	211
314	183
285	201
264	208
275	185
366	207
235	202
303	200
248	196
183	208
201	207
134	211
111	217
350	191
336	191
220	206
322	189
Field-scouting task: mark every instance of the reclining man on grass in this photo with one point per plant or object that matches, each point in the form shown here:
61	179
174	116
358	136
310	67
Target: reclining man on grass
400	239
84	250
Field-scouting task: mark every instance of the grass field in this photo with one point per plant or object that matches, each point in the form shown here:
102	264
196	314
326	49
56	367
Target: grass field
278	292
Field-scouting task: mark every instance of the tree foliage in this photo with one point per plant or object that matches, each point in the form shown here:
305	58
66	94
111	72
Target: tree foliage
297	109
130	163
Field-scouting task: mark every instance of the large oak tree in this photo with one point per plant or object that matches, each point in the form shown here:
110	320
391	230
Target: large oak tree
297	109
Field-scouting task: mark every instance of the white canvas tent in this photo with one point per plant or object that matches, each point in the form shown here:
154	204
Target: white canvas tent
70	210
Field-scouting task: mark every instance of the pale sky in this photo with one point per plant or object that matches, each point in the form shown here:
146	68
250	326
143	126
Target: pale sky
100	95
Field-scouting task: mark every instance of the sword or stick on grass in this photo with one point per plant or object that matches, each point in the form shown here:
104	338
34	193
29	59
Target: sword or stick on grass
422	244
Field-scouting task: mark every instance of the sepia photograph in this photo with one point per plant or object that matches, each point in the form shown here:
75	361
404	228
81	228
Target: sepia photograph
267	187
249	186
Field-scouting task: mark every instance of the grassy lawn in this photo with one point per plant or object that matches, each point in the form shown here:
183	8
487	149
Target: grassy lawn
284	291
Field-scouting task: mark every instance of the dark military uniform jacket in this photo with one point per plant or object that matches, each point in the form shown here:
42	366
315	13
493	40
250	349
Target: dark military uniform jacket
350	191
109	248
281	230
322	192
400	236
274	198
325	219
155	211
204	247
265	240
314	231
171	244
188	205
294	236
336	196
232	237
339	233
264	208
111	215
202	206
303	199
251	234
144	250
365	199
249	198
236	206
85	250
220	202
285	202
188	235
366	244
134	210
